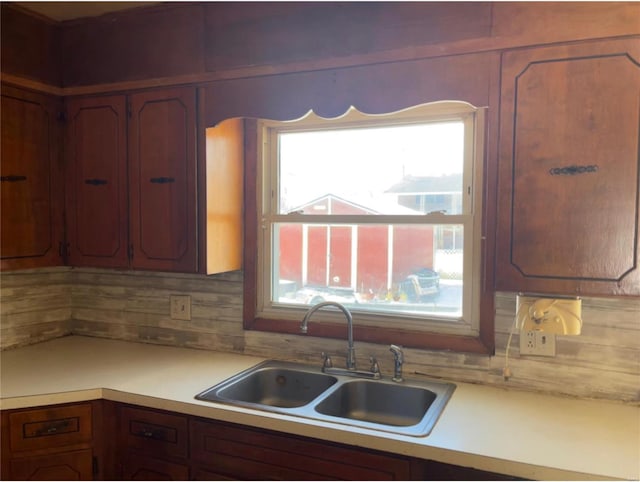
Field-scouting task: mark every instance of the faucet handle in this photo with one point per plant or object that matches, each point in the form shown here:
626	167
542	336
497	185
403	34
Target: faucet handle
375	368
326	361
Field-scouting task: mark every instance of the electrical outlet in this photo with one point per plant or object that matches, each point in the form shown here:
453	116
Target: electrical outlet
537	343
180	307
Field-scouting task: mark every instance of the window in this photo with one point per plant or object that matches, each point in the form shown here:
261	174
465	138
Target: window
380	213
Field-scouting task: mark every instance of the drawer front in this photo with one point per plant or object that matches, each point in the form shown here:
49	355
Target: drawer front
157	433
50	427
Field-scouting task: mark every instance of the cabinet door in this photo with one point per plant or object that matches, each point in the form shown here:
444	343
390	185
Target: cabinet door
96	157
31	189
76	465
162	160
221	451
568	214
139	467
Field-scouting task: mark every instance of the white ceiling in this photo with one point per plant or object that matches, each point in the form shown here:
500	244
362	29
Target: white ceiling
60	11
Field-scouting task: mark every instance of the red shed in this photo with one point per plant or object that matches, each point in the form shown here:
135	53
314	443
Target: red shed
368	259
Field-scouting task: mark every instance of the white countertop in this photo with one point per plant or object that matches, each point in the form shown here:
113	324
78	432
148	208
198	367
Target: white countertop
511	432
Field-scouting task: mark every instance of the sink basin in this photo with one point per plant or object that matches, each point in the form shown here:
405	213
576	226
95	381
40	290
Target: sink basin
408	408
395	405
274	385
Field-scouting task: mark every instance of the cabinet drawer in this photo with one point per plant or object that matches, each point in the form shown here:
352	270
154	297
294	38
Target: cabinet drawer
153	432
50	427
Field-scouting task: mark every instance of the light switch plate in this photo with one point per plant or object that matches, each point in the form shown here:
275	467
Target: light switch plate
180	307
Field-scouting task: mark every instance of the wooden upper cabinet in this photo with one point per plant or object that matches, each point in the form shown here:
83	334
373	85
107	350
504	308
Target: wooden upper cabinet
162	174
96	155
31	184
568	212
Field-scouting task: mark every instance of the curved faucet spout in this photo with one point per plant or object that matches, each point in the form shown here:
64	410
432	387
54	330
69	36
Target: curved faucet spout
351	353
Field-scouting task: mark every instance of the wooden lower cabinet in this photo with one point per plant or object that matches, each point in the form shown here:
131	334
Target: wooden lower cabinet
221	451
104	440
141	467
76	465
152	444
49	443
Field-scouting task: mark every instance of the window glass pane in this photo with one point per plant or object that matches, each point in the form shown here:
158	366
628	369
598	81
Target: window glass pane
403	169
388	268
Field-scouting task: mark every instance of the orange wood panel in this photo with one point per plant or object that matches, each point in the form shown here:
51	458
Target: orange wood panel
224	194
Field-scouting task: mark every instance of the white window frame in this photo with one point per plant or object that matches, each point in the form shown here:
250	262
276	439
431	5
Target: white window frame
471	218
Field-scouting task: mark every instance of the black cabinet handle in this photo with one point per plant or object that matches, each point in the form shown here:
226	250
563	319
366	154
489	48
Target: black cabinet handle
52	428
150	433
162	180
13	178
572	170
95	182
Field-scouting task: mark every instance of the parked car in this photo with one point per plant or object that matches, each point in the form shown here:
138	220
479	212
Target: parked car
423	285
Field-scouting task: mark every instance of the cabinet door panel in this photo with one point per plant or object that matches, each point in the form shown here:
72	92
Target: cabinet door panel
31	203
569	169
139	467
163	180
97	182
65	466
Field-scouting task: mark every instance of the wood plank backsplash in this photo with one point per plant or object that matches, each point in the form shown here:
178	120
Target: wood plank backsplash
603	362
35	305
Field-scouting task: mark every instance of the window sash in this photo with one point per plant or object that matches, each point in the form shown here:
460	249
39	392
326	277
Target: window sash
268	197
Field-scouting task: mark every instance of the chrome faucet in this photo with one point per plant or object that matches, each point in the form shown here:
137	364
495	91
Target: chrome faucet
398	360
351	351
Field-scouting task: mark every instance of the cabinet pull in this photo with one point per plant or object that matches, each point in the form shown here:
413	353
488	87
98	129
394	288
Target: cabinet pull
572	170
162	180
95	182
52	428
13	178
152	434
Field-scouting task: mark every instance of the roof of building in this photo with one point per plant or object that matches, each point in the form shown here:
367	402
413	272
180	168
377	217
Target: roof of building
370	205
449	183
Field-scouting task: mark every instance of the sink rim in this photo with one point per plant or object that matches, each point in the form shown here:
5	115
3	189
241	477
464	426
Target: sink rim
215	393
442	389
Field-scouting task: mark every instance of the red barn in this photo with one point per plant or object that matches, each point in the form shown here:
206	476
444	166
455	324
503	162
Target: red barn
368	259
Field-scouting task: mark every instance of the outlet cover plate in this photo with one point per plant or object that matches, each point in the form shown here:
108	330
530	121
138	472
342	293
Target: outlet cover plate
180	307
537	343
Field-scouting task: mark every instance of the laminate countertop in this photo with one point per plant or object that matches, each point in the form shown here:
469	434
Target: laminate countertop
511	432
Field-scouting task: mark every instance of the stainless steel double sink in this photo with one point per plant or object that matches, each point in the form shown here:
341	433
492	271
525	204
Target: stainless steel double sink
407	408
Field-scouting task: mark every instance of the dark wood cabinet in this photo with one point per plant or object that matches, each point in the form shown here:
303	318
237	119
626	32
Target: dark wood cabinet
97	190
51	443
569	172
225	451
162	176
31	180
104	440
153	445
131	184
